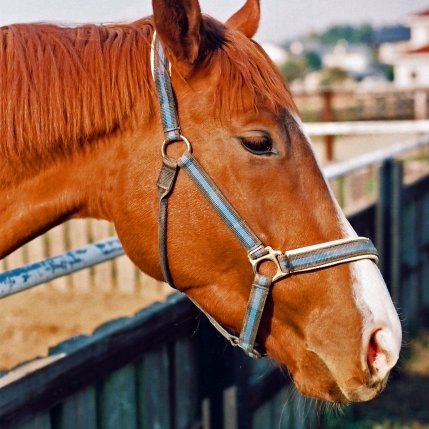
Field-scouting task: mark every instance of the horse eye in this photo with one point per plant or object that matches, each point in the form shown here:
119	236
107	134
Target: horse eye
259	145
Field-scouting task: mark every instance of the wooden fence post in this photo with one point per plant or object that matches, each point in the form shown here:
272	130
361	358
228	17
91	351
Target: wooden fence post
216	374
421	104
241	378
328	116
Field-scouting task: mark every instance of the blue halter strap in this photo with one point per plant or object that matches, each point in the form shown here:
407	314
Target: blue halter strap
286	263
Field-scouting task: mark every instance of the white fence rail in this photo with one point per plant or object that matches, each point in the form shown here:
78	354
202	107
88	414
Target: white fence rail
366	127
367	160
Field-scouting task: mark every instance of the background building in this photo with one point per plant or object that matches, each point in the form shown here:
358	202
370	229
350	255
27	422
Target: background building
411	67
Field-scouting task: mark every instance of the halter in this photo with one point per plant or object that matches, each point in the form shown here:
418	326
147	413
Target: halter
286	263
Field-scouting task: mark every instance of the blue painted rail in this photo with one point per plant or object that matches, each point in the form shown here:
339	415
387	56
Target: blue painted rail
36	273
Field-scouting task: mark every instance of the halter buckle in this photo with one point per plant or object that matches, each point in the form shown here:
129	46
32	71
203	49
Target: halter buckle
269	255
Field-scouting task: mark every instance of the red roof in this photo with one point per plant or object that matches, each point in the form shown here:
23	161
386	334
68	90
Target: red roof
422	50
424	12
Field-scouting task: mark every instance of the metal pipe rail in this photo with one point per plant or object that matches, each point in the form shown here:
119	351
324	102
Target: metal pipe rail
36	273
366	127
375	157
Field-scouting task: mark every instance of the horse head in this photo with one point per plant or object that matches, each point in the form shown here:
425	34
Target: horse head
336	328
90	102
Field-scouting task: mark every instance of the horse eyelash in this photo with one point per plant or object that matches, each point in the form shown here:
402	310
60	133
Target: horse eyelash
251	145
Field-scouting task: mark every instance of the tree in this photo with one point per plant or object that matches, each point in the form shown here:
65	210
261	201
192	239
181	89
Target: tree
365	34
314	62
389	72
359	34
331	76
294	68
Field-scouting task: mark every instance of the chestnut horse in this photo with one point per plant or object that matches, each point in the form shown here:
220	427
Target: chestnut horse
81	137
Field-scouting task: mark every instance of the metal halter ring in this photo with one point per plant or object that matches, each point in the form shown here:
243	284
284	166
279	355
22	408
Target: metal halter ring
273	256
165	143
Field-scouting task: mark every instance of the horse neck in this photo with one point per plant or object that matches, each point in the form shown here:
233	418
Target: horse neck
48	177
35	200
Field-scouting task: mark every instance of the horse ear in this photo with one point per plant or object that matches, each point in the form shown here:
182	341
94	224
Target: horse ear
246	20
178	24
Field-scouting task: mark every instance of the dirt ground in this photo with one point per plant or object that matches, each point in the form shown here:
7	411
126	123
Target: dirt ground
40	318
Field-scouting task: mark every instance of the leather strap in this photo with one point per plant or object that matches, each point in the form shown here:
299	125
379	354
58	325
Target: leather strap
168	110
219	203
327	254
165	183
258	295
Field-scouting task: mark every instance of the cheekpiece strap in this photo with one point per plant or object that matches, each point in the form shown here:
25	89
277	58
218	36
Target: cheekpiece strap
161	75
220	204
255	307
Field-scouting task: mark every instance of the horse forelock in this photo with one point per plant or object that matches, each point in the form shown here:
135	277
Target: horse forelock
62	86
244	70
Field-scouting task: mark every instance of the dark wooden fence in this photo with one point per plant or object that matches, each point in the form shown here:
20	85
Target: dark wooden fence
403	223
163	368
166	368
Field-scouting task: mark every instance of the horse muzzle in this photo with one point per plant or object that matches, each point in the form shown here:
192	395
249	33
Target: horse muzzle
382	355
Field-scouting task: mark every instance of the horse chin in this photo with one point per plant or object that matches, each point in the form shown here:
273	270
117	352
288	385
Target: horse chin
331	391
367	392
372	387
332	394
314	379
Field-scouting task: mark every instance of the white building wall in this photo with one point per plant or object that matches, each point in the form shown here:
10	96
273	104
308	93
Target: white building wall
412	71
419	34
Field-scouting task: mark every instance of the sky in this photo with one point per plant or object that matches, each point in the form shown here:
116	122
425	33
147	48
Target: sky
281	19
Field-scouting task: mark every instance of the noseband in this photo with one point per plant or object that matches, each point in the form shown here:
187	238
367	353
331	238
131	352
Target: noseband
286	263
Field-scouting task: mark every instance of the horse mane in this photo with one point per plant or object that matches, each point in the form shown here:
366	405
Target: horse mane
61	86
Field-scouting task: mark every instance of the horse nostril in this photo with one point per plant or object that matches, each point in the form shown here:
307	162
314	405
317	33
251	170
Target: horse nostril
373	352
381	355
